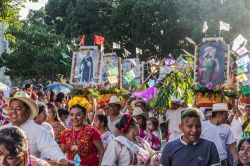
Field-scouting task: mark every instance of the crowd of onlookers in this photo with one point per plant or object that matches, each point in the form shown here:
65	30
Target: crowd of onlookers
75	130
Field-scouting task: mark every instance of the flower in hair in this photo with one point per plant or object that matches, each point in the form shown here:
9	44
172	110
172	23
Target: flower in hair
78	100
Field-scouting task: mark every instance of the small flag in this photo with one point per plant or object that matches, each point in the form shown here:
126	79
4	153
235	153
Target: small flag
138	51
116	46
68	47
169	61
127	53
242	61
224	26
102	48
113	71
241	77
99	40
130	76
242	69
112	79
82	41
205	27
238	41
190	41
242	51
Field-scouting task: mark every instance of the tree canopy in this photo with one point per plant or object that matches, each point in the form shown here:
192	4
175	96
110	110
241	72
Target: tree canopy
39	53
158	27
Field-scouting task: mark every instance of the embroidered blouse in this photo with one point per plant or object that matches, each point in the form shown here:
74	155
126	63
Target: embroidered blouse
81	143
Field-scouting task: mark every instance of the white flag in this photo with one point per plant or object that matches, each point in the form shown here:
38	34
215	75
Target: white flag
238	41
102	48
224	26
205	27
138	51
116	46
242	51
190	41
127	53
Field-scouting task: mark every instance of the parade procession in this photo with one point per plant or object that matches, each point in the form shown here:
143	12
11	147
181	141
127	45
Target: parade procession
124	83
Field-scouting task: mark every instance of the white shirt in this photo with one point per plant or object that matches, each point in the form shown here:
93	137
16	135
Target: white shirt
236	128
174	117
48	128
221	136
40	141
111	125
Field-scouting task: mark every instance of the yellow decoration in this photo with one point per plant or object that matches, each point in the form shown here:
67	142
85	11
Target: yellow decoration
78	100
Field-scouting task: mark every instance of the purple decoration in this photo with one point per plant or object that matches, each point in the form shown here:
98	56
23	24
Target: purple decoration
169	61
146	94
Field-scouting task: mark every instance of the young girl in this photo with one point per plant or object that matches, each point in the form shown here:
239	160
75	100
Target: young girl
152	135
101	123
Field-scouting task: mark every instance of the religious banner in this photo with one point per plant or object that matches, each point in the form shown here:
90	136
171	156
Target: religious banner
84	70
110	70
131	73
211	62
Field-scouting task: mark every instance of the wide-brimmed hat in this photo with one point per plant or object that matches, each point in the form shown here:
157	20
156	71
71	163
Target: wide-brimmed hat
116	100
24	97
133	103
220	107
138	112
246	105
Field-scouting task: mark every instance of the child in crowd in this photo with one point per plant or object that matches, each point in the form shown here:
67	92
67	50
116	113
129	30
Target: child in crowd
152	135
101	123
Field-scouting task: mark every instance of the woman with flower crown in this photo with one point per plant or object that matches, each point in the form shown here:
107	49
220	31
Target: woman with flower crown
128	148
82	142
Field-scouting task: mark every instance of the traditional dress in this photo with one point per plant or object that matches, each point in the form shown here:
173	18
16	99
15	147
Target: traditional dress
58	127
155	143
122	151
32	161
245	126
81	143
107	137
142	133
40	141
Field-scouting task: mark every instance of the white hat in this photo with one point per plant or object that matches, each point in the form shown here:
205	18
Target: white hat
134	102
138	111
115	100
24	97
219	107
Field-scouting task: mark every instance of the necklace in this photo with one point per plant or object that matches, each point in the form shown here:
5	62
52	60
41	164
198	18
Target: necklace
75	146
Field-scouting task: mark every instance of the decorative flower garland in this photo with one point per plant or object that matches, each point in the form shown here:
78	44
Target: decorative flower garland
80	100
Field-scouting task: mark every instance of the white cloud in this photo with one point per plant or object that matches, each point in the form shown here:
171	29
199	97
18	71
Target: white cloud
31	5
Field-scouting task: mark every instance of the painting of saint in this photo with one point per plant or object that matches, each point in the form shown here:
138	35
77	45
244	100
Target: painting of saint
211	63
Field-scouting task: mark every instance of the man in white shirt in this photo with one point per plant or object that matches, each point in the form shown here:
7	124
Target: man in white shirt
174	117
115	115
22	112
220	133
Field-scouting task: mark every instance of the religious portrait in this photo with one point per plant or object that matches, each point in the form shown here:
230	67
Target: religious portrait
110	70
131	73
211	61
85	66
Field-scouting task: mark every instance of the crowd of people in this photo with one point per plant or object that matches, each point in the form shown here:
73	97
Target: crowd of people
44	128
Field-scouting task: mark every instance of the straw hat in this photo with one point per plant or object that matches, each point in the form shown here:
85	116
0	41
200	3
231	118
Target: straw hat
138	111
133	103
24	97
116	100
219	107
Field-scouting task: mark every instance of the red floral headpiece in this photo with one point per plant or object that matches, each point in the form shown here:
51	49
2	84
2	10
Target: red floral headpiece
126	126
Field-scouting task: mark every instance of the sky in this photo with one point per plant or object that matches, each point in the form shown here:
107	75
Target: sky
30	5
